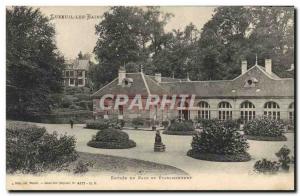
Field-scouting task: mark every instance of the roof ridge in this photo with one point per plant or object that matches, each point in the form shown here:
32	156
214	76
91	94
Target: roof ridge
104	87
156	82
146	85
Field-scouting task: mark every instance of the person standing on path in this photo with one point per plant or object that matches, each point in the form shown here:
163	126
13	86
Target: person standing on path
71	123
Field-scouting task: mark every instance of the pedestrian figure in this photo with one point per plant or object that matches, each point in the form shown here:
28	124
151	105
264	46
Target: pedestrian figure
71	123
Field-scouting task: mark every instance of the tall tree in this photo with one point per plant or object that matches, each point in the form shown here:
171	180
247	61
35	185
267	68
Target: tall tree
127	35
34	66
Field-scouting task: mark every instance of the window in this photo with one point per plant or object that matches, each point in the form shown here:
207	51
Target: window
80	81
79	73
72	82
183	113
225	111
71	73
204	110
247	111
271	110
291	112
67	73
121	110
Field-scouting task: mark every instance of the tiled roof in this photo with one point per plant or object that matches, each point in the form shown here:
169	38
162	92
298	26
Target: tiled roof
267	86
138	86
78	64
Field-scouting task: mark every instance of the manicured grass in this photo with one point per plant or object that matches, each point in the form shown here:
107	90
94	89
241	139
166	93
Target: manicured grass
120	165
219	158
167	132
266	138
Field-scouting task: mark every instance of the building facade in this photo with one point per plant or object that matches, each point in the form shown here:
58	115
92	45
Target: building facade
255	92
75	74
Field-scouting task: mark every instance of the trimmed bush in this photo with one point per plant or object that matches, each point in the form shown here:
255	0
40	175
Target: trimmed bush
165	124
111	139
180	128
234	124
137	122
104	124
264	129
30	149
219	143
265	166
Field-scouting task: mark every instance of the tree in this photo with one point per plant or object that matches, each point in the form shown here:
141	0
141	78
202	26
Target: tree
178	53
236	33
127	35
34	66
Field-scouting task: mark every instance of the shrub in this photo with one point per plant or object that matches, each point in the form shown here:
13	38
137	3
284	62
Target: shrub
264	127
111	139
165	124
30	149
218	139
103	124
82	167
266	166
137	122
219	143
234	124
183	126
283	156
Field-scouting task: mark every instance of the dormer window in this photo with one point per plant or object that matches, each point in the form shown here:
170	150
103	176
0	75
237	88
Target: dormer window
127	82
250	82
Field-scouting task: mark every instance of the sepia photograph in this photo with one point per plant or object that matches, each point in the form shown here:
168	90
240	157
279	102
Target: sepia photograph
150	98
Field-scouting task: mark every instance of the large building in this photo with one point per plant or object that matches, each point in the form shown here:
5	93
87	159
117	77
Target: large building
75	73
255	92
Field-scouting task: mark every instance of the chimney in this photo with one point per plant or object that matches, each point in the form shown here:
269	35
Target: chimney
268	66
244	66
122	75
158	77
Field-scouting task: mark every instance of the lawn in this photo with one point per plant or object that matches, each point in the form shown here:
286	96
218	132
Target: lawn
205	173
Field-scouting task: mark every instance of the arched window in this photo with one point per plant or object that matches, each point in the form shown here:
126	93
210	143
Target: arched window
271	110
204	110
225	111
291	112
247	111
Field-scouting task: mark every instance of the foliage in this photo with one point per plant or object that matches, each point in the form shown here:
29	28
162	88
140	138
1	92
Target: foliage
234	124
284	158
218	139
33	66
183	126
266	166
111	139
82	167
104	124
165	123
126	35
30	149
137	122
264	127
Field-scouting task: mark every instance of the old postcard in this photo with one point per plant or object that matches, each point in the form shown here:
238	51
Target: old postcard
150	98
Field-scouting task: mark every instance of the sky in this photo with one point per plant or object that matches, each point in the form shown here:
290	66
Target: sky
75	30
